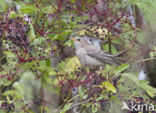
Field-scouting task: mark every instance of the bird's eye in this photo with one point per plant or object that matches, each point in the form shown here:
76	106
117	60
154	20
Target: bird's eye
78	39
90	40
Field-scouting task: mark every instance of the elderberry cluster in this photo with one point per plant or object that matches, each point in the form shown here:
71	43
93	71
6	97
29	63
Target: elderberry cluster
15	30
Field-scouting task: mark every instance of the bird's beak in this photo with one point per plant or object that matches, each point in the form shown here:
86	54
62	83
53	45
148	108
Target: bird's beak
73	39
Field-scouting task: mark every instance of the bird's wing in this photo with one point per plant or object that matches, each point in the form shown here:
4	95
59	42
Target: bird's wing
101	55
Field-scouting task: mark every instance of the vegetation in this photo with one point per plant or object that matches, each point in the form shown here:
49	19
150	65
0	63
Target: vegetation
39	72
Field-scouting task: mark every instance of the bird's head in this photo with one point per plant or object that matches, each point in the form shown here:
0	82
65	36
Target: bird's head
79	42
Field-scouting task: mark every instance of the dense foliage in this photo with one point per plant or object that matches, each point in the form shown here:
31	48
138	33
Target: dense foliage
37	54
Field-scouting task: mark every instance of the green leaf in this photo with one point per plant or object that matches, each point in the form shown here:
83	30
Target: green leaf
66	108
149	89
48	63
3	5
28	9
32	33
109	86
39	40
52	72
47	109
82	91
95	108
106	48
55	37
2	111
69	43
13	14
43	66
62	36
69	65
9	92
114	50
108	67
5	82
131	76
121	68
10	54
73	1
117	41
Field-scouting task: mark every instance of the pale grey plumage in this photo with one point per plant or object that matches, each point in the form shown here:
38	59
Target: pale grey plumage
90	55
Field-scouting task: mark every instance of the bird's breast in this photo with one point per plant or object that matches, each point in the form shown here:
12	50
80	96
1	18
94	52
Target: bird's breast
87	60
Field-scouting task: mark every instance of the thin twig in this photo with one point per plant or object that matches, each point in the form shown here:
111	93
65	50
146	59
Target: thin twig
146	60
122	52
80	103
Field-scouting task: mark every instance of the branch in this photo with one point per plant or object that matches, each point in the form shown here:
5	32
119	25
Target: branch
80	103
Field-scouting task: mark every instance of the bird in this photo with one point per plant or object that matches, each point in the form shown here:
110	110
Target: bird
91	55
94	41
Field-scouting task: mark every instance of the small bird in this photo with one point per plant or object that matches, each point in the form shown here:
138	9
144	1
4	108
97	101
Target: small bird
90	55
94	41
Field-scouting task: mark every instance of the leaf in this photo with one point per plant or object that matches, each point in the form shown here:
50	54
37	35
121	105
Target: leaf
69	43
39	40
5	82
62	36
95	107
82	91
48	63
121	68
2	111
3	5
52	72
9	53
28	9
108	67
31	33
13	14
72	1
55	37
106	48
47	109
109	86
131	76
114	50
9	92
117	41
66	107
141	84
149	89
69	65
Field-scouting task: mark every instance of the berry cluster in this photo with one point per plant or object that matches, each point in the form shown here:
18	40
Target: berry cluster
15	30
94	83
15	38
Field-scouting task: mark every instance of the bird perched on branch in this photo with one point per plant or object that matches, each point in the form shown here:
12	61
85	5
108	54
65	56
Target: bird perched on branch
91	55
